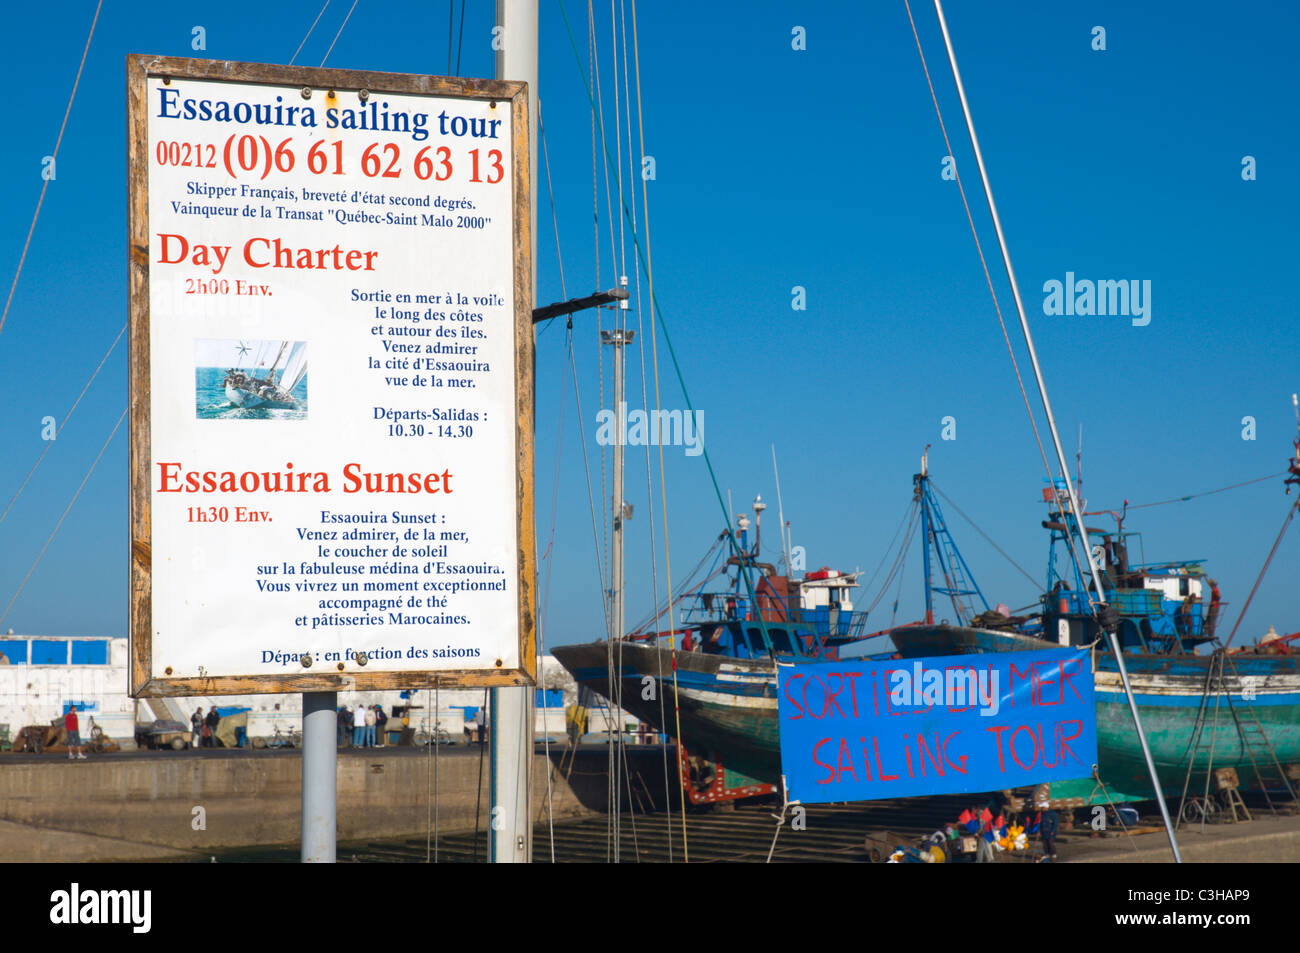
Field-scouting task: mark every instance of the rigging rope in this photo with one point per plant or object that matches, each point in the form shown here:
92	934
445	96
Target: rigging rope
451	30
996	307
53	158
900	558
988	539
478	800
620	324
50	443
660	324
543	614
890	548
1192	496
1258	579
645	402
309	32
663	478
71	503
460	39
339	33
428	787
437	744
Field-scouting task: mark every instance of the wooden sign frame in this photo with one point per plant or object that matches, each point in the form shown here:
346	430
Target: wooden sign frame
349	676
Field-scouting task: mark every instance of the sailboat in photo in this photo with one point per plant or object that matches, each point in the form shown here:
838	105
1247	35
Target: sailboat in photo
260	386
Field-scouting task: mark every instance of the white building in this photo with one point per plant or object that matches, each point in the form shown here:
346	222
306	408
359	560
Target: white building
40	676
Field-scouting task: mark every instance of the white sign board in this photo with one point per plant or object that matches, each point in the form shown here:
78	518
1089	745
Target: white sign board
331	380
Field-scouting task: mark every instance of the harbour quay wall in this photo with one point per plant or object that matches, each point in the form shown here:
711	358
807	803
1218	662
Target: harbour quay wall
248	798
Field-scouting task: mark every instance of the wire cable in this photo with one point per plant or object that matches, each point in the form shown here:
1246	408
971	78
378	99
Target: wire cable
1258	579
1192	496
988	539
339	33
309	32
50	443
57	525
54	159
460	40
1033	422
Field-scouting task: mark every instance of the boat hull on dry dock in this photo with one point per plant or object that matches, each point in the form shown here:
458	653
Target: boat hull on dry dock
724	704
1169	689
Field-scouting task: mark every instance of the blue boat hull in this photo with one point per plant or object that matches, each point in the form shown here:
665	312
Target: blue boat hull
1169	690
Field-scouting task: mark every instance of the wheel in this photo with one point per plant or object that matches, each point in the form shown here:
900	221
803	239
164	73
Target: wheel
259	742
1191	812
178	744
420	737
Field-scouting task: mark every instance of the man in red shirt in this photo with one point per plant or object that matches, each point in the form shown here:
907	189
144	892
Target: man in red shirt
74	735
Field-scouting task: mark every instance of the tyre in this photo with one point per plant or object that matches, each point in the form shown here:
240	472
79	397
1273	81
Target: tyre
178	744
259	743
421	737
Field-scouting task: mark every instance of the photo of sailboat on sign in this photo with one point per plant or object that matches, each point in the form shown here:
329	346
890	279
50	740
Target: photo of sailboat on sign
250	380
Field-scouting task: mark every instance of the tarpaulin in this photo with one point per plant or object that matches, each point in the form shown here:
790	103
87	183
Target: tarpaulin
859	730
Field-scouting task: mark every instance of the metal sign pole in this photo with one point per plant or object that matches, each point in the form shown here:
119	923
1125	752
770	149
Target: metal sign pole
510	832
320	757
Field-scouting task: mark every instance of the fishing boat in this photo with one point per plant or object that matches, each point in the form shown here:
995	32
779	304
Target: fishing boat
261	386
1200	710
715	690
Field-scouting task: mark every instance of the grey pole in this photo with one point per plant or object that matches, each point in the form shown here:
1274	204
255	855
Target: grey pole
510	829
617	339
320	756
1056	437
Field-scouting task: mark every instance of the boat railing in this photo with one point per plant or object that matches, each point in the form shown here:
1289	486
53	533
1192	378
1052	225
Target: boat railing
725	607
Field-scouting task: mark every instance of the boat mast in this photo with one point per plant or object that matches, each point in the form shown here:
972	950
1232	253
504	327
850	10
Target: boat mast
617	339
1056	437
925	537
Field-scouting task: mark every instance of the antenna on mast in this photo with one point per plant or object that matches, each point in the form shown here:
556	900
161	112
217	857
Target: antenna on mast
780	512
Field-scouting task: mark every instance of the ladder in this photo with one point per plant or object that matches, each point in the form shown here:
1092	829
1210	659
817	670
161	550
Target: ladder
1250	735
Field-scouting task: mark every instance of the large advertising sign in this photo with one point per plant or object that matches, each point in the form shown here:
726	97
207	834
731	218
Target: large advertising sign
861	731
331	380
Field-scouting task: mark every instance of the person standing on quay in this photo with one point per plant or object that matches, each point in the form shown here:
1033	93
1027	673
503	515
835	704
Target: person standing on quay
343	715
196	728
370	727
359	726
210	725
74	735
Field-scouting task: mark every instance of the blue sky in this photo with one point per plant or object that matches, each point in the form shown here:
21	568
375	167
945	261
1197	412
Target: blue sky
775	168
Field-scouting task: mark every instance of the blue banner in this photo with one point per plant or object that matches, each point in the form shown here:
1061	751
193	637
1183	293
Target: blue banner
860	731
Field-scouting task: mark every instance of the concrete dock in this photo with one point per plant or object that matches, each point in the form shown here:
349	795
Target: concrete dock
245	806
137	805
